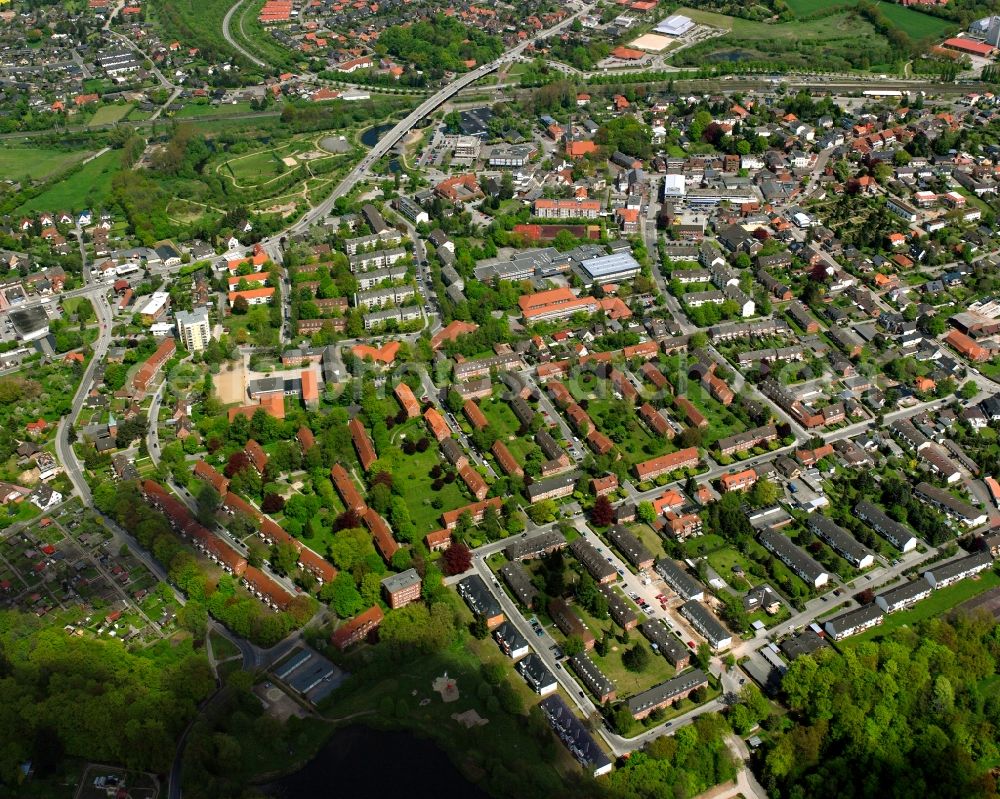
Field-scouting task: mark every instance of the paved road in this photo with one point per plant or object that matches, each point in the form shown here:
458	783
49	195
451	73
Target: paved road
63	447
226	20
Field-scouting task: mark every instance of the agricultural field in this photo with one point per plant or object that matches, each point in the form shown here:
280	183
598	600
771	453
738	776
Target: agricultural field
21	163
86	188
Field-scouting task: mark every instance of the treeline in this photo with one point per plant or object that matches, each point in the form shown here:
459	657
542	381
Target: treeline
914	715
63	696
898	39
686	763
302	117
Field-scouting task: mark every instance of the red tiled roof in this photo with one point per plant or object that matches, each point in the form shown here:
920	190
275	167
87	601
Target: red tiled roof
407	400
345	487
475	415
211	475
362	443
438	427
381	533
667	463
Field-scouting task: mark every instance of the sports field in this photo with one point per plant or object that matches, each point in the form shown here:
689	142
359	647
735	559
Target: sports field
18	163
84	189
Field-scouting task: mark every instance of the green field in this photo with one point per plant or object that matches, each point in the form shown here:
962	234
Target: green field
207	109
916	24
832	27
506	425
109	114
803	8
936	604
413	471
17	163
256	167
86	188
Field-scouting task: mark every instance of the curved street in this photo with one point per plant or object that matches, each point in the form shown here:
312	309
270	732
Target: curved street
227	35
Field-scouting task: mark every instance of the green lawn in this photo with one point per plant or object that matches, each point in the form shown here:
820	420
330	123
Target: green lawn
701	544
936	604
73	304
638	444
503	421
832	27
413	472
19	163
914	23
650	539
108	114
254	168
86	188
627	683
222	647
723	560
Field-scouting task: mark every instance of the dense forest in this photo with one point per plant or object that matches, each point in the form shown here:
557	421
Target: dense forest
62	696
915	714
439	45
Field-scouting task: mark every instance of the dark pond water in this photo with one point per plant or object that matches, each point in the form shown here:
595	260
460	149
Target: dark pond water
371	136
358	761
731	55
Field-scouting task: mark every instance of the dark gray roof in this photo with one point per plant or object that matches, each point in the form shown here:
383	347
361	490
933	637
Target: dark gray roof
841	540
846	622
960	566
618	607
592	560
678	579
573	734
666	691
478	597
792	554
534	671
552	483
657	631
705	622
896	533
595	679
631	547
904	593
506	634
517	579
533	547
805	643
